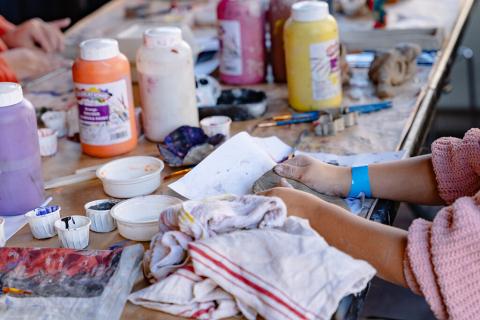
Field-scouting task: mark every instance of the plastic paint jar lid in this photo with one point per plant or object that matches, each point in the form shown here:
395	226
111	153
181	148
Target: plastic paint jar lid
162	37
99	49
10	94
307	11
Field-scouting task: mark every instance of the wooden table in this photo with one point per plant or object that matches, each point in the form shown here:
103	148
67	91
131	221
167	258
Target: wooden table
400	128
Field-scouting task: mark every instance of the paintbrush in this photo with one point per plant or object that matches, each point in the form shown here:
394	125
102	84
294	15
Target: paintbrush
177	173
291	116
287	122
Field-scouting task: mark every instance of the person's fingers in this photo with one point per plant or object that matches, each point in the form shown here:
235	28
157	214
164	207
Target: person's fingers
284	183
40	36
289	171
61	23
299	161
57	38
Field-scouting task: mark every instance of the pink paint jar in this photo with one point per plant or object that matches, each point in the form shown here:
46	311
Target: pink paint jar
21	181
242	41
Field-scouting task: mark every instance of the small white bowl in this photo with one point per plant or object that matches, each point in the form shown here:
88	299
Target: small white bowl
77	235
216	124
47	139
137	218
3	240
42	220
99	212
131	177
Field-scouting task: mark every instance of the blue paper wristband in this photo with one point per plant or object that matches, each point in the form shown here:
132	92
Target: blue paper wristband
360	183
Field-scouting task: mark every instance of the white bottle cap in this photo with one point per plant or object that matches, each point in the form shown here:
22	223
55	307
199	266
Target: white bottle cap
10	94
162	37
307	11
99	49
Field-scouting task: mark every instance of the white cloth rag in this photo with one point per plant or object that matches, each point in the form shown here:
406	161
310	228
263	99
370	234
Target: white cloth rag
285	273
195	220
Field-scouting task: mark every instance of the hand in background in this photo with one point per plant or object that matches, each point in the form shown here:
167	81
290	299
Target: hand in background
36	33
322	177
31	63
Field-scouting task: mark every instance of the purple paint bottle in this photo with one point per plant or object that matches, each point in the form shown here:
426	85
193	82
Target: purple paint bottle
21	182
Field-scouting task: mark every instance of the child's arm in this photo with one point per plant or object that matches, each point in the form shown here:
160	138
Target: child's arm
382	246
411	180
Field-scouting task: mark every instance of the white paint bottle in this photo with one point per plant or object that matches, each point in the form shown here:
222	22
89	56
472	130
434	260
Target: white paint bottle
167	82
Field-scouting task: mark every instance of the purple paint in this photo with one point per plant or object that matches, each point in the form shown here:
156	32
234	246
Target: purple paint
21	182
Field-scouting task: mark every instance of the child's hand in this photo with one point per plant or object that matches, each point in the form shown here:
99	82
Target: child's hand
36	33
322	177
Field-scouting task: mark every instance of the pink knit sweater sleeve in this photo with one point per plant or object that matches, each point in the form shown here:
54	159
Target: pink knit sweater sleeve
457	165
442	260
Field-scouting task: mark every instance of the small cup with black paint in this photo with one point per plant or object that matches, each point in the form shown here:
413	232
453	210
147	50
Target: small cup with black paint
41	221
73	231
99	212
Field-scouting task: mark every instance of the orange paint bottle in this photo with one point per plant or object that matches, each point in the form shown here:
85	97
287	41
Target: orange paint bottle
103	89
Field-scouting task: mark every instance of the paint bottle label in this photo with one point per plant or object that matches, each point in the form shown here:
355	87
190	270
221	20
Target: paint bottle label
231	46
104	113
325	69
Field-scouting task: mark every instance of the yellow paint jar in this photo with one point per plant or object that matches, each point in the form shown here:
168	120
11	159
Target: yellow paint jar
312	56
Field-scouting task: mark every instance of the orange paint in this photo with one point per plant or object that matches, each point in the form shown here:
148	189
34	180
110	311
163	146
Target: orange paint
104	93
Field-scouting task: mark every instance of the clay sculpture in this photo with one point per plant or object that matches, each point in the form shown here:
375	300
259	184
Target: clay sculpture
393	68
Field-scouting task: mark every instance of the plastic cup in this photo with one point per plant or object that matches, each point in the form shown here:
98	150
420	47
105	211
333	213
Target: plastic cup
41	221
99	213
47	139
216	124
73	231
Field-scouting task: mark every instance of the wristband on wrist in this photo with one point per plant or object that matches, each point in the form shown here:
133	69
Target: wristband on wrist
360	183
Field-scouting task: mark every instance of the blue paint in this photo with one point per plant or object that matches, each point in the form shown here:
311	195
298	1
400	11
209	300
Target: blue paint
42	211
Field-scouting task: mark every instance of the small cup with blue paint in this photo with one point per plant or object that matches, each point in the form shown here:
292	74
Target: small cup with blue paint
99	212
42	220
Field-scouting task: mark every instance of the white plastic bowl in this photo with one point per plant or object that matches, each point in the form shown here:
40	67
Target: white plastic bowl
131	177
137	218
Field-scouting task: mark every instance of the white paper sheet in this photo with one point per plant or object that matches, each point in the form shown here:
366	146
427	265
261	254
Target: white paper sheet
233	168
13	224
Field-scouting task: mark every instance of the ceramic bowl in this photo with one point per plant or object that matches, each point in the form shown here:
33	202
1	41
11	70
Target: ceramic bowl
41	221
137	218
131	177
99	212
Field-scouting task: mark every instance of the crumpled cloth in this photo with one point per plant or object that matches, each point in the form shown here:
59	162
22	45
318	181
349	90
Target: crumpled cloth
278	272
195	220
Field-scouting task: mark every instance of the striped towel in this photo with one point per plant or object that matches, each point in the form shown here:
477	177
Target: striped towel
283	273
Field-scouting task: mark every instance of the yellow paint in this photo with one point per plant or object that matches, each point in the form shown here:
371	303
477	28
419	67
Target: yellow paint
298	38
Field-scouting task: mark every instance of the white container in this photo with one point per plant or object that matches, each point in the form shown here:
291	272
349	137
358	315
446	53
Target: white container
57	121
47	139
99	213
42	220
137	218
3	240
77	235
131	177
216	125
167	82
